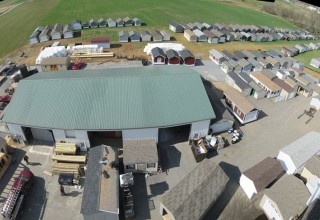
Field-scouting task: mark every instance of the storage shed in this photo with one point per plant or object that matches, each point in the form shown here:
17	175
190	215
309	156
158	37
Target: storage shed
145	36
140	156
175	27
93	23
205	183
101	195
256	66
190	36
45	34
246	65
165	35
103	42
315	62
156	35
158	56
34	37
226	66
236	82
136	22
261	175
187	58
240	107
111	22
120	22
67	31
295	155
134	36
56	32
273	90
211	37
85	25
173	57
102	22
216	56
286	199
287	92
55	64
127	22
200	35
236	67
76	25
123	36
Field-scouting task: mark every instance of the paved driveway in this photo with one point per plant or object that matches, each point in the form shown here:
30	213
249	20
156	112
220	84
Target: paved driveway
210	71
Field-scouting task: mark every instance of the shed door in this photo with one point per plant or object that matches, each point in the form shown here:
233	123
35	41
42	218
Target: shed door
42	134
141	166
53	67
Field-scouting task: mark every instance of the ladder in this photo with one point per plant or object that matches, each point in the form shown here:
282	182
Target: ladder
11	201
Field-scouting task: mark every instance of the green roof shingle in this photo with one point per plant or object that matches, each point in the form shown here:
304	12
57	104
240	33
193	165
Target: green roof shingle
110	99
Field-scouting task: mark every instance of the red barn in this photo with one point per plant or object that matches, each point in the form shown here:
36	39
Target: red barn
187	58
173	57
158	56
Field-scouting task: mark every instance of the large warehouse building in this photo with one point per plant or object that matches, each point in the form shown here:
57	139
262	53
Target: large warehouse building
127	103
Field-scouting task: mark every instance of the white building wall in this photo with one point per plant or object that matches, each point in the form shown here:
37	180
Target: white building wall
16	130
200	127
286	163
81	136
140	134
247	186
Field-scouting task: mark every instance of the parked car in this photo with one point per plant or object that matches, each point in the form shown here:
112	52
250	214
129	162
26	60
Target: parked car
77	65
5	98
3	105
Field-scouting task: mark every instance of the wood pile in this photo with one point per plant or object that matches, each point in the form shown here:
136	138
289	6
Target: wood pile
69	158
65	148
65	167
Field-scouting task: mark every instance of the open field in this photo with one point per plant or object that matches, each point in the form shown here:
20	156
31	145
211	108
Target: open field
307	57
20	22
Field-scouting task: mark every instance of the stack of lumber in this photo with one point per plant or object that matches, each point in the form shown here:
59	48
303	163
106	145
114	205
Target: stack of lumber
79	159
65	148
65	167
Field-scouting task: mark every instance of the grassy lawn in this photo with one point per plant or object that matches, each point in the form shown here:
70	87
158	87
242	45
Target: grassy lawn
307	57
20	22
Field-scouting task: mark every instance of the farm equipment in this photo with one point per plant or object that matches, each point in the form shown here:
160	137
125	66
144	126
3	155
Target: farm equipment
21	188
309	113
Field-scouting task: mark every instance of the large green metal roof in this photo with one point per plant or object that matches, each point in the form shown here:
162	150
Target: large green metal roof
110	99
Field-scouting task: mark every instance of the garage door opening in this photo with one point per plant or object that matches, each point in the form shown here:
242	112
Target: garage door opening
41	136
111	138
174	135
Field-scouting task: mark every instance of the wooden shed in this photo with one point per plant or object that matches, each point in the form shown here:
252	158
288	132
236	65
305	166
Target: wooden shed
34	37
103	42
67	31
145	36
102	22
123	36
136	22
175	27
76	25
165	35
200	35
93	23
56	32
111	22
120	22
156	35
187	58
173	57
45	34
134	36
55	64
127	22
190	36
158	56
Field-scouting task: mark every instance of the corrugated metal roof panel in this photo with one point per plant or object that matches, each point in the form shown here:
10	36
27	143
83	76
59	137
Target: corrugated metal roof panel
111	99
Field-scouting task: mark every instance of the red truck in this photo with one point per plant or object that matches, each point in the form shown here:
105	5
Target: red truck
20	190
5	98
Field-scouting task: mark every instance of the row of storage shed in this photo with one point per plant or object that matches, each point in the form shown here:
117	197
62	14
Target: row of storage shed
172	57
41	34
101	22
144	36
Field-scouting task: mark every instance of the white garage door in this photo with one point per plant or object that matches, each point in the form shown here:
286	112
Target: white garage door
42	134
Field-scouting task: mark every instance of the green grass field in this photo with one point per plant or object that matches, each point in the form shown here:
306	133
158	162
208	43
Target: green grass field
18	24
307	57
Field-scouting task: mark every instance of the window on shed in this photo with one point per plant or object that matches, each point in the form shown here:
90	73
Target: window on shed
151	165
238	112
70	134
131	167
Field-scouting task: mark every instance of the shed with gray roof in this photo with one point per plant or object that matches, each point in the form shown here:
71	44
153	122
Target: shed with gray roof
246	66
34	37
175	27
256	66
102	22
111	22
192	197
127	22
190	36
165	35
145	36
315	62
213	39
67	31
235	81
173	57
45	34
123	36
120	22
156	35
93	23
136	22
76	25
200	35
134	36
216	56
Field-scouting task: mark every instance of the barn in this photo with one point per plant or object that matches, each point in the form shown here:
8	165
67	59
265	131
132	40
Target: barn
67	31
187	58
103	42
45	34
123	36
34	37
173	57
127	22
93	23
115	104
56	32
175	27
76	25
134	36
158	56
136	22
102	22
111	22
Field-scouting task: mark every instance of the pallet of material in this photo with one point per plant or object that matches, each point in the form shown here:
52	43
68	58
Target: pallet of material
65	167
65	148
69	158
